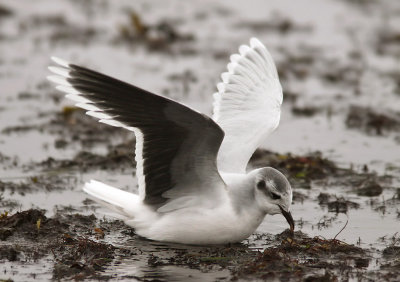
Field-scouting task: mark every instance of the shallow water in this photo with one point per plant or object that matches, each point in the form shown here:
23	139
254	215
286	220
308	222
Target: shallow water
331	55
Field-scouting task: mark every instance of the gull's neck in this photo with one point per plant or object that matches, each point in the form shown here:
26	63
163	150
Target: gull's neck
241	193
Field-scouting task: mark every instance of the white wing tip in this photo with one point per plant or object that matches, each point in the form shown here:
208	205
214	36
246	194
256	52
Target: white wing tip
221	87
235	58
216	105
243	49
60	71
76	97
98	114
255	42
87	106
231	67
113	123
58	80
67	89
225	77
60	62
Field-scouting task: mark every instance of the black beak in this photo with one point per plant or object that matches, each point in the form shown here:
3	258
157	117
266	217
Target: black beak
289	218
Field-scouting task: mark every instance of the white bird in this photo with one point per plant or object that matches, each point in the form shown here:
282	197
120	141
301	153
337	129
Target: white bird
191	169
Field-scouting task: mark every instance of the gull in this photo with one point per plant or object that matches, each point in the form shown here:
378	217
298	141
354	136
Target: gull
191	169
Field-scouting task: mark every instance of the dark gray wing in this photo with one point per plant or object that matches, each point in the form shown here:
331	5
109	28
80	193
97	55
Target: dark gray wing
175	145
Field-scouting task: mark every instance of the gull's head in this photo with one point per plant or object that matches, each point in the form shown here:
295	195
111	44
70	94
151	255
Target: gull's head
273	193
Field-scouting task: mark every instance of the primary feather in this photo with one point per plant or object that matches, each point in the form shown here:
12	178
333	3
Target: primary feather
247	105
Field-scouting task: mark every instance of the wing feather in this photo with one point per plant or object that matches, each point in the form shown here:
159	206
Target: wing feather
247	105
176	147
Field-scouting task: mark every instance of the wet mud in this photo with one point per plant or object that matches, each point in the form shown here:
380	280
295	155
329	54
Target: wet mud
80	247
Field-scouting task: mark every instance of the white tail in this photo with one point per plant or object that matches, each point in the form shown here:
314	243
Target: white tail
122	202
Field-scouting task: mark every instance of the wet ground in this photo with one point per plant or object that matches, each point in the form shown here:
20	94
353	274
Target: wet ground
338	141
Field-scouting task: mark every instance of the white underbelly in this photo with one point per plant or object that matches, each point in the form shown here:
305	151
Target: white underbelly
196	226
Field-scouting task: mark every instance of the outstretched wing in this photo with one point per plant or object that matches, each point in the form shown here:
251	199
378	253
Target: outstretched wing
247	105
176	147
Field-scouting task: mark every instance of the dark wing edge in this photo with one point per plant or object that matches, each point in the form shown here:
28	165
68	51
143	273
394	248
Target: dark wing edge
175	145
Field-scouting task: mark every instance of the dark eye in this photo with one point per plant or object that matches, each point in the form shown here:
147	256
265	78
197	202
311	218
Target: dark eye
261	184
275	196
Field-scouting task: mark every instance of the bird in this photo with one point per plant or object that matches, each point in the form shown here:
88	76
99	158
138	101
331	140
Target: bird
193	187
